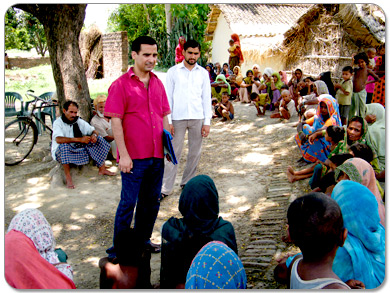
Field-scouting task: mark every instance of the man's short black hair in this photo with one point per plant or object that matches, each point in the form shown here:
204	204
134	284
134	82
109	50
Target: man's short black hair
348	68
315	224
191	44
146	40
253	96
68	103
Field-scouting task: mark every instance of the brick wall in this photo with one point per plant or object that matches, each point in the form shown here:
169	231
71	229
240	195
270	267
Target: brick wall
28	62
115	54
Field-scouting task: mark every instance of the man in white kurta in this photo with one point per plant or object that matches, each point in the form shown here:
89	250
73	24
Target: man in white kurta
189	95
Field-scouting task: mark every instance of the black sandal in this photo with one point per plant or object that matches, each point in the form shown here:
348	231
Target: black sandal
162	196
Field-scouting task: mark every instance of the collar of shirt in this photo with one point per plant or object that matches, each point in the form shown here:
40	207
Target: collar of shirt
133	75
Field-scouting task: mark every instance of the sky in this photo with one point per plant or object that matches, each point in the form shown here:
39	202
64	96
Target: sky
98	14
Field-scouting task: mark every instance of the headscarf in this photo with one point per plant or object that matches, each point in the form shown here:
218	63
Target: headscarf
238	52
326	77
284	77
201	223
360	171
333	111
212	73
268	71
343	146
321	87
33	224
179	49
377	132
362	256
239	77
279	83
216	266
222	78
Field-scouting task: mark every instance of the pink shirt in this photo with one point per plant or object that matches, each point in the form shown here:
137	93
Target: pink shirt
142	111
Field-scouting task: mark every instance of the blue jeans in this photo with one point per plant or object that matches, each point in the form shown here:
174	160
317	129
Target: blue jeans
140	189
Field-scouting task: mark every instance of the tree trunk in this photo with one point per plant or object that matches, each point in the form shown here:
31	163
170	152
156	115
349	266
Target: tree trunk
168	19
62	24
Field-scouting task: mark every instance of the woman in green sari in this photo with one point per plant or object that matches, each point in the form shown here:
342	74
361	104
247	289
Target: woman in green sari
219	86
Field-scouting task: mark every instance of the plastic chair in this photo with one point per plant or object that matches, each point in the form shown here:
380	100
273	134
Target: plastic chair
43	112
13	101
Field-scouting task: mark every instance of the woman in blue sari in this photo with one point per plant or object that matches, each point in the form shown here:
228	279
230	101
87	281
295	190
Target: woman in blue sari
363	255
310	137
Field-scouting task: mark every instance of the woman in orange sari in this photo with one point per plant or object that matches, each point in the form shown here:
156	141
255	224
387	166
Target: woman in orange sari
238	52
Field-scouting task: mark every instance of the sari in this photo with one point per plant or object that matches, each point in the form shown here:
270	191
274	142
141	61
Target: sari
30	254
360	171
276	93
238	51
183	238
344	145
179	57
217	257
327	79
377	133
239	77
362	257
379	91
320	149
218	94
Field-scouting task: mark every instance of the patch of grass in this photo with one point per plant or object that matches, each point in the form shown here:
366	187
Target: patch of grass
40	79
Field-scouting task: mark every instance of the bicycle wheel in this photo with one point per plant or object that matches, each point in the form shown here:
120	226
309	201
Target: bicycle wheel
20	136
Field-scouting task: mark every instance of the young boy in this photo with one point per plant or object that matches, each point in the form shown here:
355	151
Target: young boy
260	100
315	225
287	107
358	101
215	105
225	108
234	59
344	93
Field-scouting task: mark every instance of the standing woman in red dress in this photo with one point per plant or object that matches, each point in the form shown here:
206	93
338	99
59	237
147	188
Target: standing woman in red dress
238	52
379	91
179	50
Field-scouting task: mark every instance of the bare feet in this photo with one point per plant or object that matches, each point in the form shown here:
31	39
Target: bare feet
291	169
104	171
290	176
69	184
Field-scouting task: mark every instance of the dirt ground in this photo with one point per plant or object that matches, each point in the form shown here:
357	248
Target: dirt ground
238	156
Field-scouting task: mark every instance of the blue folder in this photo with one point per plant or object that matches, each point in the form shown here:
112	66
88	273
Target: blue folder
168	148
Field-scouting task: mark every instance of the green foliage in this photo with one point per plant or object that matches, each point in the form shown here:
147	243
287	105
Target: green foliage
189	20
15	34
23	31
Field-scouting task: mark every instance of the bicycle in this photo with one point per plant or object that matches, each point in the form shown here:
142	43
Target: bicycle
21	134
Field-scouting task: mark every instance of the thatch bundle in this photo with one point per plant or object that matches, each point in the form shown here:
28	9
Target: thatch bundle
91	48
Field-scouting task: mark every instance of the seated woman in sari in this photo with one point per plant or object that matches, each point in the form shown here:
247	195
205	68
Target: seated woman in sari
376	119
312	146
363	255
210	69
357	131
246	88
308	104
183	238
235	80
31	258
360	171
219	86
276	88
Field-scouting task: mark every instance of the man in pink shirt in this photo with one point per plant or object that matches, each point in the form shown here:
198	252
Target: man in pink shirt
138	107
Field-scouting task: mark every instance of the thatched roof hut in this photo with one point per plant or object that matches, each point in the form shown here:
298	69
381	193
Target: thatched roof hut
314	37
260	27
325	37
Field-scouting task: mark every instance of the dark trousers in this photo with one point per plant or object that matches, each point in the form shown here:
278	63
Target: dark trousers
140	191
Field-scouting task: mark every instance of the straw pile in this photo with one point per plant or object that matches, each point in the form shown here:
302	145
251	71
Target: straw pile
91	48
